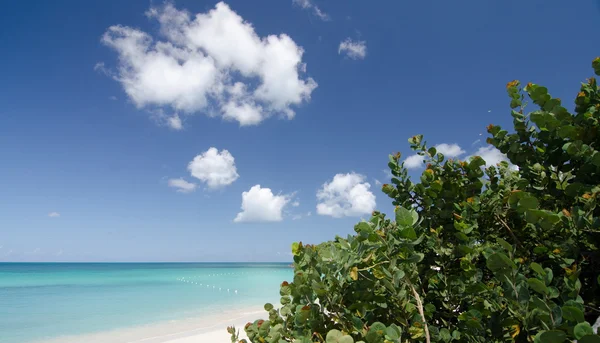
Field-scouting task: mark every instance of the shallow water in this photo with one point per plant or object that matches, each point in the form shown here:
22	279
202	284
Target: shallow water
48	300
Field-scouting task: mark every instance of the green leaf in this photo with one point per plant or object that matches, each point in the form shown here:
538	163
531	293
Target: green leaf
416	257
408	232
398	275
554	336
537	268
583	329
527	202
573	314
445	335
336	336
537	285
456	335
405	217
505	244
498	261
296	248
268	307
393	332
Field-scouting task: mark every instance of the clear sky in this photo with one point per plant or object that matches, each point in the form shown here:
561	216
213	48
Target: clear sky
198	131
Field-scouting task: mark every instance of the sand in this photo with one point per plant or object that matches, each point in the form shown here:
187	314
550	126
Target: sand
211	329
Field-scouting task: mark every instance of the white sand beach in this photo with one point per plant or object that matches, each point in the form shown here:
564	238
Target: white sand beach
211	329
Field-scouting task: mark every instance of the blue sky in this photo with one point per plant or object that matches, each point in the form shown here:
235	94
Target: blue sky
96	126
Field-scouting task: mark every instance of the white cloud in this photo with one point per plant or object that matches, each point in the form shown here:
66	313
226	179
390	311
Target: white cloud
174	122
492	156
182	185
261	205
413	161
216	169
211	62
450	150
353	49
308	5
377	182
113	98
53	214
296	203
297	217
346	195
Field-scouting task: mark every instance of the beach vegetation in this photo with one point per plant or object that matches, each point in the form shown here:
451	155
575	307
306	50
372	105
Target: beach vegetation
474	252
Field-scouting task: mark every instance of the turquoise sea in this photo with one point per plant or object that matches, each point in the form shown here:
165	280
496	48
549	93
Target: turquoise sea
48	300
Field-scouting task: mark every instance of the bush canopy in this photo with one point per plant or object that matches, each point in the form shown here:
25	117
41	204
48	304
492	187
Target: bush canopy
503	253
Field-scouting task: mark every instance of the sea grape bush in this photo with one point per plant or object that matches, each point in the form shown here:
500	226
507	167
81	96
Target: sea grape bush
507	253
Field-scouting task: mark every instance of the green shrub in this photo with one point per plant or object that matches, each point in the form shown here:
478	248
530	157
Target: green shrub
498	254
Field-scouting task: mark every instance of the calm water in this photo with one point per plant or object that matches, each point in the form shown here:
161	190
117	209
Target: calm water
45	300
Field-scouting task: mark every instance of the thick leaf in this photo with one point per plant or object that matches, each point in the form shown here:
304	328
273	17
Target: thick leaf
527	202
573	314
507	246
497	261
553	336
336	336
583	329
406	217
537	285
445	335
393	332
296	248
537	268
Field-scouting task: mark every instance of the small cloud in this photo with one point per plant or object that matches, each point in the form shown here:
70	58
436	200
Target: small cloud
309	214
347	195
377	182
59	253
101	68
413	162
113	98
450	150
308	5
297	217
353	49
476	142
174	122
182	185
261	205
296	203
489	111
53	214
215	168
492	156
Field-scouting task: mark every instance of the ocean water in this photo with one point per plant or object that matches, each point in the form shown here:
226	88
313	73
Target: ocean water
48	300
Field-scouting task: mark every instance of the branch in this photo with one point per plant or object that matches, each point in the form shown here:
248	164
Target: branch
421	312
509	231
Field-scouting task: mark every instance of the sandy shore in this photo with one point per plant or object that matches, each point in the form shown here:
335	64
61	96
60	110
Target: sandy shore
211	329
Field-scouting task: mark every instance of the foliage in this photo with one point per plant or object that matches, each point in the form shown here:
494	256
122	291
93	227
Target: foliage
474	254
